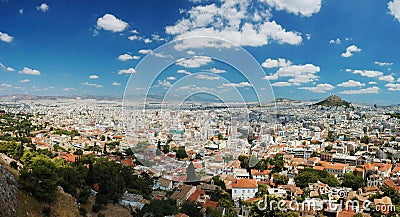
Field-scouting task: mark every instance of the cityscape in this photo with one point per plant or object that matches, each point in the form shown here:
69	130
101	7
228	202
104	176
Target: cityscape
199	108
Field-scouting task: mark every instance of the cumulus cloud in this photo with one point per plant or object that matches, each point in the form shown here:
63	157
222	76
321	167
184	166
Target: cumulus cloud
43	7
350	50
194	62
271	77
94	77
366	73
335	41
21	11
68	89
126	71
393	87
387	78
9	69
183	71
110	23
394	9
134	37
372	82
282	84
145	51
29	71
241	84
116	83
299	7
126	56
194	88
382	63
207	77
92	85
147	40
5	37
171	78
217	71
320	88
351	83
234	21
273	63
164	83
362	91
24	81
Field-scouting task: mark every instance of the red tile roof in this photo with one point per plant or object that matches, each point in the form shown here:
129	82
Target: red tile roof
244	183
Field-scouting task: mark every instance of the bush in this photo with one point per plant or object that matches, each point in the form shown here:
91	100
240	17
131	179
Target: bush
96	208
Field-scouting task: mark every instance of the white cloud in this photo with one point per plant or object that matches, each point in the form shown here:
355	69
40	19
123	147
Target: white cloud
126	71
398	80
171	78
92	85
194	62
9	69
110	23
271	77
68	89
147	40
116	83
299	7
43	7
350	50
162	55
157	37
234	21
366	73
308	36
393	87
143	51
362	91
24	81
387	78
6	85
217	71
241	84
383	63
351	83
194	88
125	57
134	37
94	77
5	37
183	71
272	63
336	41
29	71
164	83
21	11
282	84
320	88
372	82
394	9
207	77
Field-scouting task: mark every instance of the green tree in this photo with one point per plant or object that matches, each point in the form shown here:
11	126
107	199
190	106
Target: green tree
191	209
229	207
244	161
181	153
157	208
106	173
280	179
352	181
40	179
365	139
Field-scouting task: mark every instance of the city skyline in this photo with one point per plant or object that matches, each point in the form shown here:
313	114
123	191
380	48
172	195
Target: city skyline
307	51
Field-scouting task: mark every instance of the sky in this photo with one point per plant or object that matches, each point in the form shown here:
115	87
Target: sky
305	49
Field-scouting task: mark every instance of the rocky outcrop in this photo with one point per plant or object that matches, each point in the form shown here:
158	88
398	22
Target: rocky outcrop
8	199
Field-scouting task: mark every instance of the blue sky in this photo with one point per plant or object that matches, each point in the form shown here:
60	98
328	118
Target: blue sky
307	49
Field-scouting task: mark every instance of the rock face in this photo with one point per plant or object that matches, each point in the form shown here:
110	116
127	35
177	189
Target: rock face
333	100
8	186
